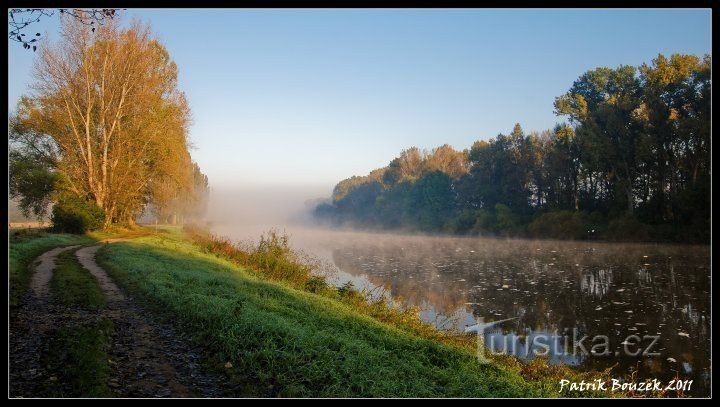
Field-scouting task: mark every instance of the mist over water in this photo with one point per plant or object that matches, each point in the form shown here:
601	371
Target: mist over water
243	213
550	287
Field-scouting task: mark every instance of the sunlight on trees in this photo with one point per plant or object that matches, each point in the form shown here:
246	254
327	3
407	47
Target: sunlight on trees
633	162
106	116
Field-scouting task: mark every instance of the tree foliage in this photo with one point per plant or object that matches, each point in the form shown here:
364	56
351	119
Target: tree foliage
72	214
632	163
106	117
21	19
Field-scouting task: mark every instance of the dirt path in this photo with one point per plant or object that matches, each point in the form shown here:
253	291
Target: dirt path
28	327
86	257
147	357
40	282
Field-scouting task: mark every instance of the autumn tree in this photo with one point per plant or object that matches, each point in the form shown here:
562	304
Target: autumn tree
632	163
408	166
447	160
108	102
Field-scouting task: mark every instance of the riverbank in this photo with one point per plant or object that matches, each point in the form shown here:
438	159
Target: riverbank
269	335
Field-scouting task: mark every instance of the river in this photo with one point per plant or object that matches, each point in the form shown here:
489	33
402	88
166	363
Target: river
625	298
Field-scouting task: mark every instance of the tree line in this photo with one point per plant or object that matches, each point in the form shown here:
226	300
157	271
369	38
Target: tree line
632	162
103	135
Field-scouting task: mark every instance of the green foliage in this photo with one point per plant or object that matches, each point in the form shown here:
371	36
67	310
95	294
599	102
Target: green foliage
76	215
463	222
485	222
561	225
637	143
507	221
432	201
31	182
627	228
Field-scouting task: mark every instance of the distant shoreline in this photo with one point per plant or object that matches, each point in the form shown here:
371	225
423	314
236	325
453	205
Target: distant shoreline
28	225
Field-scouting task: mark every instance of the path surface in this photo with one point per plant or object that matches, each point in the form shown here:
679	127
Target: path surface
86	257
40	282
147	357
28	329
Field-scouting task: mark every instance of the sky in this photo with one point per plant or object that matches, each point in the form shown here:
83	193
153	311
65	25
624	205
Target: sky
293	98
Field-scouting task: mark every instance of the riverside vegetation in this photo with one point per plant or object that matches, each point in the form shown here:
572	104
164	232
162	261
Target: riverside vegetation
273	328
632	164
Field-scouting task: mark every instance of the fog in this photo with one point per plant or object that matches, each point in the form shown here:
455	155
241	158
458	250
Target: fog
545	285
243	213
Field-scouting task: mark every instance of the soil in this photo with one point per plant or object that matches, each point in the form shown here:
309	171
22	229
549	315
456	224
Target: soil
147	356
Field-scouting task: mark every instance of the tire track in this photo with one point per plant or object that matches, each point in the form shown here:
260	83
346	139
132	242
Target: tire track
147	357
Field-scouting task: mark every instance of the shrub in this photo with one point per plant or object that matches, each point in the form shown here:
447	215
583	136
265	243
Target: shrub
484	222
508	222
463	222
317	285
72	214
627	228
559	225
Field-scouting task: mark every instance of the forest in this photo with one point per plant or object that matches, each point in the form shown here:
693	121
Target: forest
630	163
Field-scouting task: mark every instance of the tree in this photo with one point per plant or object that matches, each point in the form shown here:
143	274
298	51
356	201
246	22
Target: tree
432	201
604	101
32	159
19	20
675	118
634	160
108	104
32	183
409	166
447	160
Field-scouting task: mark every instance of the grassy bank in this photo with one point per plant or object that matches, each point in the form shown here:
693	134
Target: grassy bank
24	248
284	341
273	327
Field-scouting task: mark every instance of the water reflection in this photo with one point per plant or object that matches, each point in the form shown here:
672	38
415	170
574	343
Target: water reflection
618	291
556	289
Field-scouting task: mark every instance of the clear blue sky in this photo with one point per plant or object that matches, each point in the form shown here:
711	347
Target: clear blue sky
309	97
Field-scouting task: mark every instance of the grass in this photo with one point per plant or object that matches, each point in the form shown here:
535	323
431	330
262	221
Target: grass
273	259
71	284
286	342
79	354
24	248
285	331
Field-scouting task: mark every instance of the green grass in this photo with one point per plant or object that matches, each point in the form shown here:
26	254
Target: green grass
290	336
286	342
24	248
79	354
71	284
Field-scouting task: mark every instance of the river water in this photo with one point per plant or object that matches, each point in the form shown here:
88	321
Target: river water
639	307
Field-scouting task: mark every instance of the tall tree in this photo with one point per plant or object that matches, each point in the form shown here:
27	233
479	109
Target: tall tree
109	102
604	101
